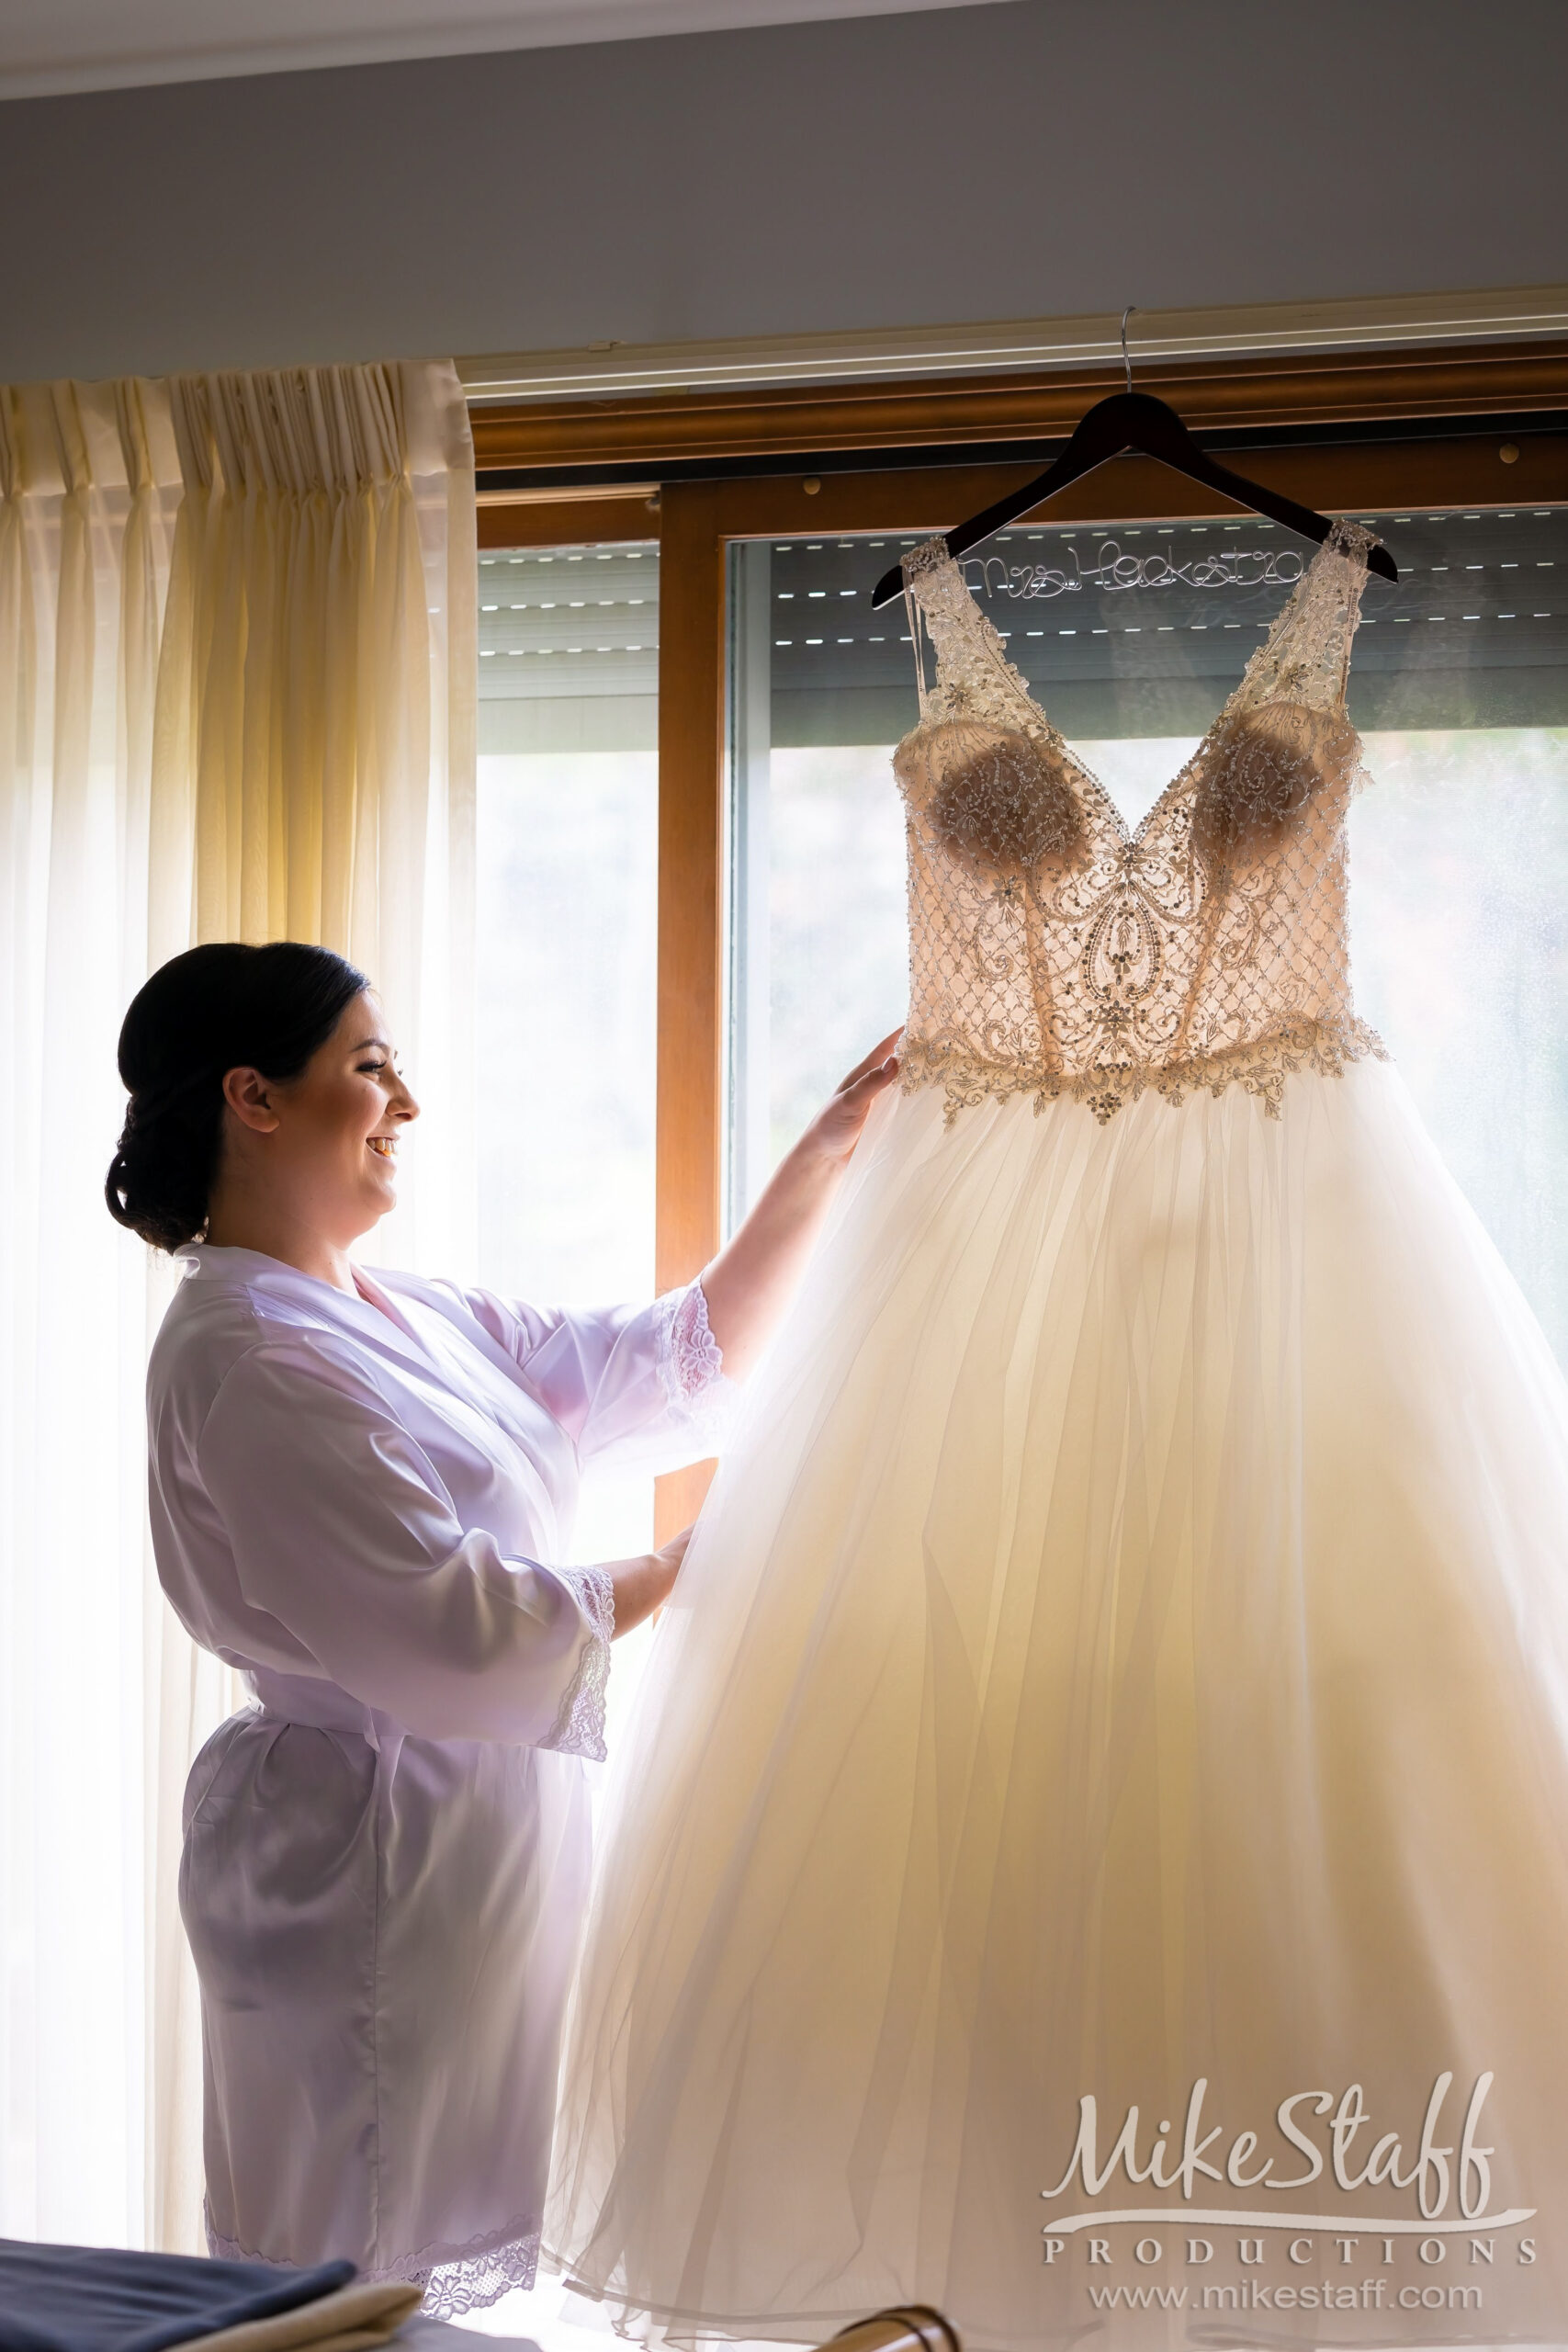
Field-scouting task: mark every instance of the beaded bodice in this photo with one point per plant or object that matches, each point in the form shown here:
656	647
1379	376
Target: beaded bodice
1054	952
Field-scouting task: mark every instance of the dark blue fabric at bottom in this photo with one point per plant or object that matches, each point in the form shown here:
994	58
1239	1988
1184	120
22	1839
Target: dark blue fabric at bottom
101	2299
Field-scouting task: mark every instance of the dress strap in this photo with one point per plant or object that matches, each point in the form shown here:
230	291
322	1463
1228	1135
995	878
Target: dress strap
918	565
970	672
1306	657
1355	543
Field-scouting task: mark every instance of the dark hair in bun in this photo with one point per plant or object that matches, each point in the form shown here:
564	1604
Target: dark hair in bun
202	1015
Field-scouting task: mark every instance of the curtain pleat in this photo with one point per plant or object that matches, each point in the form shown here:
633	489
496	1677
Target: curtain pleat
236	689
308	658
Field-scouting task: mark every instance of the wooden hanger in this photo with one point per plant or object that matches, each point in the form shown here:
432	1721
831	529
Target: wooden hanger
1133	420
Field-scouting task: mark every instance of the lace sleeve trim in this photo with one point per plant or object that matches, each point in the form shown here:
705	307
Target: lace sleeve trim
690	1358
700	1394
578	1727
692	1367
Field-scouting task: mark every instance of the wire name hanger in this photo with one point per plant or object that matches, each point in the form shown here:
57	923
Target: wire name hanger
1138	421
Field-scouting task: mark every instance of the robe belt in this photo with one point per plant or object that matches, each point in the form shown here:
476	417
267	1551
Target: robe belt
301	1699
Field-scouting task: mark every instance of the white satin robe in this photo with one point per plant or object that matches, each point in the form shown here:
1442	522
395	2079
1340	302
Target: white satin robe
386	1858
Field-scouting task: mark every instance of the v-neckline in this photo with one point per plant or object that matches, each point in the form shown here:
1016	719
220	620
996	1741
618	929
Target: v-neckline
1130	837
370	1291
218	1261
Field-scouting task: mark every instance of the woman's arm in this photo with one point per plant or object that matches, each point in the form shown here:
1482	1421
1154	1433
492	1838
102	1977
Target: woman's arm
750	1282
340	1529
644	1584
651	1386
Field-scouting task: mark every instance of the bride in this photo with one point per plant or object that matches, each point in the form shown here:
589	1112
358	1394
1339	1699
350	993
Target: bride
362	1489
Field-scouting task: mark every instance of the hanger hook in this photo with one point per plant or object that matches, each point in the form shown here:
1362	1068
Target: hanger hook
1126	358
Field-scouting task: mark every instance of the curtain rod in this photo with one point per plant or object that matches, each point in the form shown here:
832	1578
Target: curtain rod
1364	323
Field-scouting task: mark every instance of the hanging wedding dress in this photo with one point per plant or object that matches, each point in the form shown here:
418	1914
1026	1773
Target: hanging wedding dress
1092	1849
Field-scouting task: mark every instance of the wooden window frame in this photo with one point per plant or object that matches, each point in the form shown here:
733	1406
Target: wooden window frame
1351	431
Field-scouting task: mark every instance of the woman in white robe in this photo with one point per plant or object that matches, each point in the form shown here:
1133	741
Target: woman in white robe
360	1491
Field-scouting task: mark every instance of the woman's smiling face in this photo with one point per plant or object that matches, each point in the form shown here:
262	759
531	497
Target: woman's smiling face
323	1146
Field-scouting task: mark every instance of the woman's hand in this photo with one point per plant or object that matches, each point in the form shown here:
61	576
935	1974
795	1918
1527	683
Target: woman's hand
644	1584
835	1131
750	1282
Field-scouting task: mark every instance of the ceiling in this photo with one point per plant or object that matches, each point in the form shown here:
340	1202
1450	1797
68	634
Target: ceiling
52	45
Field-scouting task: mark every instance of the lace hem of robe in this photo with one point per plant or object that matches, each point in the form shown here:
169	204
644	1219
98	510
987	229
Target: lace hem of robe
690	1364
1259	1065
455	2280
578	1727
474	2281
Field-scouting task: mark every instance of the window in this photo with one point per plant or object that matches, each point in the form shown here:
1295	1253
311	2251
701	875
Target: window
750	779
567	949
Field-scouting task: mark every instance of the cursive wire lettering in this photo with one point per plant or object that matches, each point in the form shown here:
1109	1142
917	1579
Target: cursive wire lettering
1222	568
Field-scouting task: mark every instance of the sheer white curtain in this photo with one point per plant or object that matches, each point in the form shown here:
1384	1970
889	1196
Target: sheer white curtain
236	701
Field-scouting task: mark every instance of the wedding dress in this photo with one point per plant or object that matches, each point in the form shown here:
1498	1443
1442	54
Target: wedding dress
1092	1851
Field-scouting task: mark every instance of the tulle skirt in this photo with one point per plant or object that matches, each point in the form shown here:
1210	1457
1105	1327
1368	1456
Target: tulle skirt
1091	1848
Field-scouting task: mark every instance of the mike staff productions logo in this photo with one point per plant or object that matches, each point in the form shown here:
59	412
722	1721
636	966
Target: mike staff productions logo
1438	2199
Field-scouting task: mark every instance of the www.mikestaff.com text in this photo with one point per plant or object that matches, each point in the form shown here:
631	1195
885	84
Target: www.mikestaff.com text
1252	2295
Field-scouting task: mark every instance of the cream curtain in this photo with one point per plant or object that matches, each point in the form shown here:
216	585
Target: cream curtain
236	701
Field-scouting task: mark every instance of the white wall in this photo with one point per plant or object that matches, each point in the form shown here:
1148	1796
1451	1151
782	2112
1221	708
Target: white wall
1027	159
